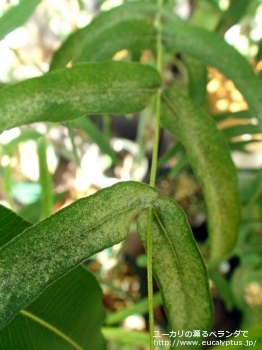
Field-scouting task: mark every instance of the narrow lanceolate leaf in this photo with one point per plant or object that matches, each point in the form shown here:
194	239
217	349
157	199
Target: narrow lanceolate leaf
178	268
45	323
16	16
124	27
209	156
67	94
46	251
213	50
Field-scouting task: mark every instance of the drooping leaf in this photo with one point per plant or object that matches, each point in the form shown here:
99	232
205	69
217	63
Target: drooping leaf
197	74
16	16
213	50
178	268
67	94
48	250
10	225
121	28
208	154
68	315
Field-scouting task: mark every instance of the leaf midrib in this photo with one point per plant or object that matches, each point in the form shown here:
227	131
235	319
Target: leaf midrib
51	328
186	305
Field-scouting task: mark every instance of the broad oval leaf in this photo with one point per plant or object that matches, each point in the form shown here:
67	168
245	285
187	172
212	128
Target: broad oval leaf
48	250
67	94
209	156
178	268
114	30
213	50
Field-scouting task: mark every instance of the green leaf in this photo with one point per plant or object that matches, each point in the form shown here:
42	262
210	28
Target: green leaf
60	317
124	27
213	50
239	130
16	16
209	156
141	307
251	339
45	323
223	288
95	134
45	178
197	74
67	94
10	225
48	250
233	14
178	267
125	336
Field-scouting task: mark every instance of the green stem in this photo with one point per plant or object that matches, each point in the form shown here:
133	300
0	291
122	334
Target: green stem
153	180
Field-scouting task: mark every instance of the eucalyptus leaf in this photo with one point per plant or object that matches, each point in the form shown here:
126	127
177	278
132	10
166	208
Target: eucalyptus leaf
213	50
208	154
45	323
48	250
129	24
16	16
178	268
67	94
61	317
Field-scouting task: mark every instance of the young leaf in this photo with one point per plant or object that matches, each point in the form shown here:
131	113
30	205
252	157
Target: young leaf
60	317
67	94
209	156
129	24
213	50
16	16
48	250
178	267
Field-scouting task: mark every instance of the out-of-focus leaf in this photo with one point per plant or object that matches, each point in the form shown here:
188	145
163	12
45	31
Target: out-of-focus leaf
16	16
25	135
129	35
177	147
213	50
125	336
206	15
223	288
141	307
67	94
259	53
10	225
178	267
32	211
95	134
208	154
236	115
253	339
45	179
239	130
48	250
197	74
233	14
124	27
